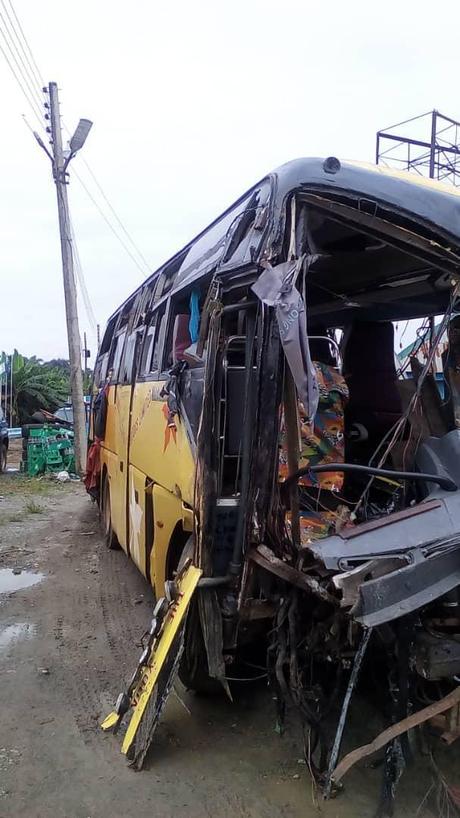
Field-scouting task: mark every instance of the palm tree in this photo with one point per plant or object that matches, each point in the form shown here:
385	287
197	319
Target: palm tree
35	386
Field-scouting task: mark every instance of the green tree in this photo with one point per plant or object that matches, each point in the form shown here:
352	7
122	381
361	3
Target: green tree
36	386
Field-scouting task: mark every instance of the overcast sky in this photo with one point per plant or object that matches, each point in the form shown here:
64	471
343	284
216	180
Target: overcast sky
192	103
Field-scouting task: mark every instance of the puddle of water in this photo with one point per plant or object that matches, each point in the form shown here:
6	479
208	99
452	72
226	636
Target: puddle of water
15	582
10	633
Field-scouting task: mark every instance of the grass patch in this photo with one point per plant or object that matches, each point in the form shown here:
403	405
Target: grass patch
33	508
13	517
16	484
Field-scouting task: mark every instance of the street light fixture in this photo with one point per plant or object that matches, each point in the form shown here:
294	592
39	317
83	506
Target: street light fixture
81	132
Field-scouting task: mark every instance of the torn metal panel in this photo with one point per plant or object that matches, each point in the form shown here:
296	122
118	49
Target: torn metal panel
350	582
427	523
207	452
264	557
409	588
157	669
276	287
265	459
211	624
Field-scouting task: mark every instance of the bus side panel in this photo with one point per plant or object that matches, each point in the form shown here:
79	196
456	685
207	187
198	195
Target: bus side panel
161	452
136	507
116	440
109	463
110	424
168	512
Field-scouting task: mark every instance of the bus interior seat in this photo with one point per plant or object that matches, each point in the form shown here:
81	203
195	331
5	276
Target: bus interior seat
320	497
181	339
369	369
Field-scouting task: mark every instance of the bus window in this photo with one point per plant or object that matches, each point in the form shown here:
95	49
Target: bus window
245	234
147	351
142	305
115	356
154	339
132	347
180	324
108	335
98	377
164	285
209	248
159	341
103	370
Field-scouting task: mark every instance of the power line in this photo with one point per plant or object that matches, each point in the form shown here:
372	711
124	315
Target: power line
81	280
109	224
128	236
115	214
70	238
24	59
14	52
31	75
38	73
31	103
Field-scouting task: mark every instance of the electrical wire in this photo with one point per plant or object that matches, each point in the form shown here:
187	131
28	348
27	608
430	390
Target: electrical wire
110	225
399	425
20	51
32	60
112	209
33	94
81	280
77	268
115	214
25	93
33	79
29	81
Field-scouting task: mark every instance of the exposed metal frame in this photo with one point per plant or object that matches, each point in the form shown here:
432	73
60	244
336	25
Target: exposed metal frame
437	156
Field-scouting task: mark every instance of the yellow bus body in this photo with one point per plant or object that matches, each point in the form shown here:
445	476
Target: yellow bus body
145	460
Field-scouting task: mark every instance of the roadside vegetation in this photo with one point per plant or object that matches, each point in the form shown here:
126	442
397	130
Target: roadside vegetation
29	495
36	385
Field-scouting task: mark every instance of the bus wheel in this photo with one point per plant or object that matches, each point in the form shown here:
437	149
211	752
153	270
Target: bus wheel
109	534
3	457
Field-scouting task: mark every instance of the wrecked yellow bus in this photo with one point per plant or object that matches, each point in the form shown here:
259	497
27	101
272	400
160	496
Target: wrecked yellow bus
251	424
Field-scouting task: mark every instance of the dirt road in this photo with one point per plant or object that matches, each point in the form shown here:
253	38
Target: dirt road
67	645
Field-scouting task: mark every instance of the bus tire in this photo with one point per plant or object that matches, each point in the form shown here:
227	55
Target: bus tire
109	535
3	457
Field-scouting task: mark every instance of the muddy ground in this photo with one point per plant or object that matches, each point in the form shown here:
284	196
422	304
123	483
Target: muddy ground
69	642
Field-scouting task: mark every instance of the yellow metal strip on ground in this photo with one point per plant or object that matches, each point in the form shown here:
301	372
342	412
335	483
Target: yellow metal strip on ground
187	585
110	721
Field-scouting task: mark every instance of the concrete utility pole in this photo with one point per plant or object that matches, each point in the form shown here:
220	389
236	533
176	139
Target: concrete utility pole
60	161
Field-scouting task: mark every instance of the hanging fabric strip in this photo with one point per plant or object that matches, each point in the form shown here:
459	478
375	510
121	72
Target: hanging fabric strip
194	323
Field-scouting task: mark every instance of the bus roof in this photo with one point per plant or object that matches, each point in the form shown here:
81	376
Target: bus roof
431	203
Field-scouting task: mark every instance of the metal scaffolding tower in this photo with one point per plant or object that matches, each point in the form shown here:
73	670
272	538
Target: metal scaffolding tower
428	144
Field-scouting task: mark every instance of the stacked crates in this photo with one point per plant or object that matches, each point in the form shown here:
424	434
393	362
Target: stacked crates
46	447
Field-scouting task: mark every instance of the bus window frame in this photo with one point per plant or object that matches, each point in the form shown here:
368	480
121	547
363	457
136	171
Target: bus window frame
113	364
127	367
161	314
100	370
109	334
150	334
